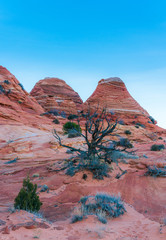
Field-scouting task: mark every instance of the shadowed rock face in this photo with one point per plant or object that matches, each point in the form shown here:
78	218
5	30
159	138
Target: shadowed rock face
54	93
15	103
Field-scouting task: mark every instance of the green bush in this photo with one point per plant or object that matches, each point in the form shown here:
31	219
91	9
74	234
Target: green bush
27	199
157	147
68	126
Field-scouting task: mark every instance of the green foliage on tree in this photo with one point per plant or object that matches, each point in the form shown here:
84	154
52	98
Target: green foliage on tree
27	199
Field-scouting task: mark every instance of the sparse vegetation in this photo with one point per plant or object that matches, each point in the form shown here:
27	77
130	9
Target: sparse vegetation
102	205
2	90
156	172
27	198
6	82
72	134
22	87
53	112
140	125
121	122
56	121
157	147
160	138
72	116
152	119
71	126
12	161
127	132
124	142
63	114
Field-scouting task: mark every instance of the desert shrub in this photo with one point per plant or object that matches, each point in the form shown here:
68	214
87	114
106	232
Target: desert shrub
127	132
2	90
121	122
98	169
124	142
56	121
160	138
102	205
6	82
72	116
101	216
140	125
22	87
53	112
12	161
63	114
71	170
152	119
27	199
73	133
157	147
76	218
155	171
68	126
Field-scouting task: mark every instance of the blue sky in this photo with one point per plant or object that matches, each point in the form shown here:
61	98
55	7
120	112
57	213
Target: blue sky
84	41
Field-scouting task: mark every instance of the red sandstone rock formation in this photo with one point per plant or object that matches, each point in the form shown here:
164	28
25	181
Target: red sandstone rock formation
113	94
54	93
15	103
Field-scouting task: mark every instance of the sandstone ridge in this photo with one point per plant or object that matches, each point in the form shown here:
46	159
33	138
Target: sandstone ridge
15	103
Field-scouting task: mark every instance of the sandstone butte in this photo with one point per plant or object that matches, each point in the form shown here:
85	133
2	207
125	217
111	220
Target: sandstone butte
16	104
26	138
54	93
112	94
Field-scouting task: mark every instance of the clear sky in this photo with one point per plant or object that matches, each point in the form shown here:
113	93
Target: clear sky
84	41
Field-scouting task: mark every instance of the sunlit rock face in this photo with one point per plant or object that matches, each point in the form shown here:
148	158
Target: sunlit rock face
112	94
15	103
54	93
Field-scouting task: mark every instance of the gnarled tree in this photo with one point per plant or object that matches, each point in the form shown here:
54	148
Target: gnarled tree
98	127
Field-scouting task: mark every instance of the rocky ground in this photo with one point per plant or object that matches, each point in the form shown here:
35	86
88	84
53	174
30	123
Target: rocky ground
38	154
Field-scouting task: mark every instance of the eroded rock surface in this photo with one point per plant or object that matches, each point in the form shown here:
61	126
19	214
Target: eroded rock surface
16	105
54	93
112	94
27	146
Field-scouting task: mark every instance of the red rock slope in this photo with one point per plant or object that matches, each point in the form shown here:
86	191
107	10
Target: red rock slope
15	103
54	93
113	94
